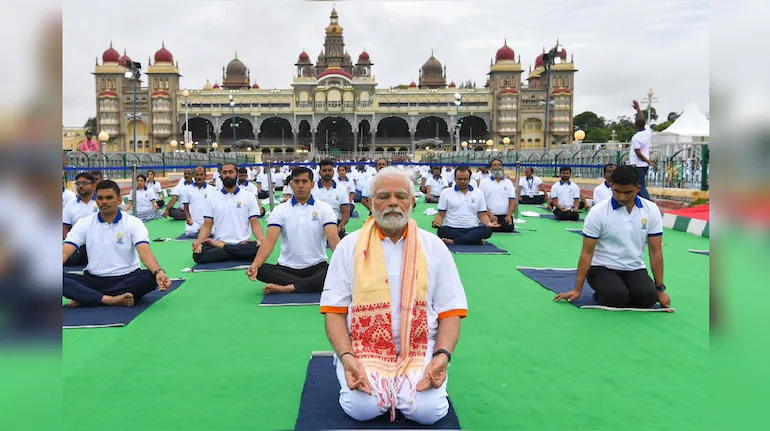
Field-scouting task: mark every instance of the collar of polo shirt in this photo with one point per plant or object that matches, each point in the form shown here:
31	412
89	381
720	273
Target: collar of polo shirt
117	217
334	184
310	201
606	184
470	188
145	188
616	204
569	183
235	192
92	198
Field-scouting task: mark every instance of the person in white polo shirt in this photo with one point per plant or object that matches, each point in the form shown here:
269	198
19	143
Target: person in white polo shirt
83	206
604	190
117	241
176	192
336	195
531	191
67	196
156	187
639	153
263	185
304	224
614	234
244	183
234	215
146	201
460	209
392	272
565	196
434	185
194	200
500	197
481	175
380	164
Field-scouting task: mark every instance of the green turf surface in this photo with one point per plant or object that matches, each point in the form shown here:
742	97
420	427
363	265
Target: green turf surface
208	358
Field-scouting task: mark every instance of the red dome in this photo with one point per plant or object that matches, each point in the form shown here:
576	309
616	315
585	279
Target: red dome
505	53
303	56
215	85
111	55
539	60
363	56
452	84
412	84
563	54
124	58
163	55
256	86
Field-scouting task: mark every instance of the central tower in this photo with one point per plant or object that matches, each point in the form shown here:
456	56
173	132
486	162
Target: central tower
334	43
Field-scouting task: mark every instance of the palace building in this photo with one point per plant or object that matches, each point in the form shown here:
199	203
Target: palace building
334	104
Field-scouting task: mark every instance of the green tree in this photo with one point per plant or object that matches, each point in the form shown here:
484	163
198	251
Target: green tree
662	126
653	114
587	121
597	135
672	116
90	125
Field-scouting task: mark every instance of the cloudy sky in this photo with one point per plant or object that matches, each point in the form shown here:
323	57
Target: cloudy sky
621	48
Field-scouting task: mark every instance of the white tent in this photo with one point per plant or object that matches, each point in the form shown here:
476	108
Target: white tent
691	124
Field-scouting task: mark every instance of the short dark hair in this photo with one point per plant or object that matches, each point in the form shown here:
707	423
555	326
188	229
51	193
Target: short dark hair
607	166
299	170
288	179
625	175
565	168
490	162
142	177
462	168
234	165
150	172
242	170
96	173
109	185
326	162
85	175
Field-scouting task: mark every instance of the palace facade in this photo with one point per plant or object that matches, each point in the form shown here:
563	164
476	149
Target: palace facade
334	104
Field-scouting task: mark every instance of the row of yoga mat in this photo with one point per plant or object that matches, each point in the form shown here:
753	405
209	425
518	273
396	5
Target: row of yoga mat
554	279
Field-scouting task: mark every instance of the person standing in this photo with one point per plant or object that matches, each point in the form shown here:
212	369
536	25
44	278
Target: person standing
639	155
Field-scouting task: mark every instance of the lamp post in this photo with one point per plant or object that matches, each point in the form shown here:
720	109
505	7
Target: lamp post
464	145
214	146
506	141
134	72
232	124
649	100
187	135
549	59
489	144
173	144
458	102
103	138
188	146
579	136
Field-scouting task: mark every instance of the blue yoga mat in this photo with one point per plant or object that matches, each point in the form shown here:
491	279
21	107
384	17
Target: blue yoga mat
219	266
280	299
111	316
77	269
553	217
563	280
319	407
487	248
703	252
355	215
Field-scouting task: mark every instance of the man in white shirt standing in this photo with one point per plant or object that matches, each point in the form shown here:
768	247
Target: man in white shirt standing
565	196
500	197
614	235
234	214
304	225
333	193
531	191
117	242
83	206
604	190
639	155
463	207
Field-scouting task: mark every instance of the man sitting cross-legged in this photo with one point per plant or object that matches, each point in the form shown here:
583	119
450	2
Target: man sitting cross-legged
234	215
614	234
393	301
531	188
434	185
113	238
463	207
185	183
304	225
565	196
194	200
500	197
83	206
604	191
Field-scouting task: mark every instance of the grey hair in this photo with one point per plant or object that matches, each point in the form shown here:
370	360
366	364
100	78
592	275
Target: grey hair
391	172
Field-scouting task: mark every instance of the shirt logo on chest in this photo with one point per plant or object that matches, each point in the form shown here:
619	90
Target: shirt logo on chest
239	204
315	216
644	223
119	238
96	210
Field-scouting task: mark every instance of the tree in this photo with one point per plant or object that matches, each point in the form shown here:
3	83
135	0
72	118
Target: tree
90	125
597	135
662	126
653	114
672	116
587	121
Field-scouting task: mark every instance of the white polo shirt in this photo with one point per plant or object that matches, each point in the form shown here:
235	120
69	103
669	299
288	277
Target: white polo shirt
66	197
602	192
621	235
498	195
436	185
111	247
77	209
181	187
529	186
303	241
155	186
448	175
144	198
479	176
232	213
263	182
248	186
446	295
350	185
565	193
196	198
278	179
335	196
640	141
462	210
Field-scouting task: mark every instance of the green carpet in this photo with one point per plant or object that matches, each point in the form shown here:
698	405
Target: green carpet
207	357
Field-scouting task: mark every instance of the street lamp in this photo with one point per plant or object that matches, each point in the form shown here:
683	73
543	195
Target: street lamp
506	141
187	135
579	136
134	72
458	102
103	137
232	124
464	145
649	100
214	146
549	59
173	144
489	144
188	145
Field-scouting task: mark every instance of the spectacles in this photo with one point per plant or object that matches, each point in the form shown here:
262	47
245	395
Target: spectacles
83	183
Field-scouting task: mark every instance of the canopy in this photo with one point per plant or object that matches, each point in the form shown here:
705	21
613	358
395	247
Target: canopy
691	123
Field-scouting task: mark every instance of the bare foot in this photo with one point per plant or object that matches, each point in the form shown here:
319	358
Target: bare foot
72	303
277	288
126	300
212	242
448	241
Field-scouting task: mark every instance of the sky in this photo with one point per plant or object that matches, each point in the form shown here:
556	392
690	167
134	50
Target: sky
621	48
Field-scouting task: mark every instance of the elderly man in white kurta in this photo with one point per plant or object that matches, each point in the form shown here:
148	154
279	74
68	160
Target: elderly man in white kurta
393	301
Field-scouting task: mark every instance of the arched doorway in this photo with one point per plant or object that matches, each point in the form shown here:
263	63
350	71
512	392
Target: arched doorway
393	131
243	130
142	135
364	134
473	128
334	133
275	131
432	128
201	128
304	135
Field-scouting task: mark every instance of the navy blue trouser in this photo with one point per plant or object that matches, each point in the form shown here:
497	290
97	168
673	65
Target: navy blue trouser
643	181
471	236
88	289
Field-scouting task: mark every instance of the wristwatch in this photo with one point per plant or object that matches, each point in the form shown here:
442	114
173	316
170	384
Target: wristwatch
440	351
661	288
158	270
